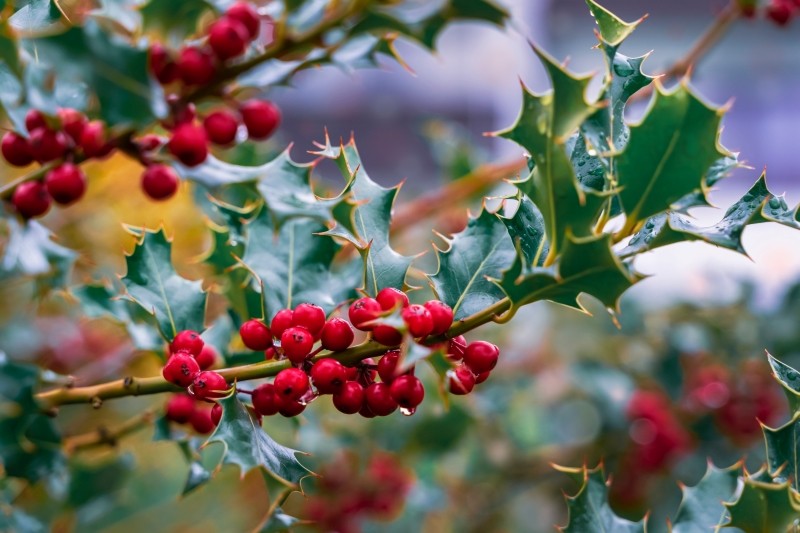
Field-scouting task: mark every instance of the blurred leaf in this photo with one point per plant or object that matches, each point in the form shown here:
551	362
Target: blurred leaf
483	249
763	507
151	281
198	475
33	16
175	21
278	521
249	447
92	482
702	506
589	510
30	251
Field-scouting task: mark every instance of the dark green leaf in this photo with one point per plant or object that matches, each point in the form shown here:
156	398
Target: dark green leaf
198	475
93	481
789	378
526	227
701	508
278	522
174	21
613	30
763	507
783	452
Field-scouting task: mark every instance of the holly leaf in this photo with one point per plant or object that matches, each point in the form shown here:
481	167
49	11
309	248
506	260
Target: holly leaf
589	510
526	228
789	378
173	22
198	474
783	452
719	170
365	220
763	507
482	250
35	16
116	72
30	251
668	154
701	507
151	281
249	447
612	29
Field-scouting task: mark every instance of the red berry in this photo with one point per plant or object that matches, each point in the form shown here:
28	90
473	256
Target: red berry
196	67
387	366
291	384
94	141
181	369
187	341
483	376
265	400
391	298
779	12
161	64
34	120
362	311
73	122
460	380
456	347
180	113
270	353
202	420
309	316
228	38
221	127
407	391
350	399
281	321
66	183
245	13
419	320
481	356
31	199
379	399
159	182
337	335
209	384
180	408
442	316
365	411
16	149
149	142
387	335
261	118
255	335
296	342
290	408
189	144
328	375
216	414
207	357
48	145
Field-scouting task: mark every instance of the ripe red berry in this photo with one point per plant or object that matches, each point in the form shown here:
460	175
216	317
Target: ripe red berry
207	357
261	118
189	144
419	320
365	411
245	13
387	335
296	342
456	347
73	122
362	311
270	353
187	341
481	356
290	408
209	384
291	384
48	145
379	399
159	182
228	38
180	408
16	149
390	298
221	127
31	199
328	375
780	12
162	66
179	112
66	183
94	140
460	380
34	120
255	335
407	391
483	376
216	414
148	143
280	322
265	400
350	399
181	369
309	316
387	366
196	66
442	316
202	421
337	335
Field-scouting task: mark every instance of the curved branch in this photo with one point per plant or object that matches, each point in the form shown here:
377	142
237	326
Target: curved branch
108	435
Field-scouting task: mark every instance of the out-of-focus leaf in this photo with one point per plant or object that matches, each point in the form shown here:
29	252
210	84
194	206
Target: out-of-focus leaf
763	507
589	510
30	251
702	507
34	16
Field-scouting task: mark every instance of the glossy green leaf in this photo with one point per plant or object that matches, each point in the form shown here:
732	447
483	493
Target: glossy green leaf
789	378
151	281
783	452
249	447
763	507
721	169
477	10
613	30
526	228
482	250
701	506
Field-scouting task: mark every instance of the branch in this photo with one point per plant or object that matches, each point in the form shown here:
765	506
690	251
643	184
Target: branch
130	386
108	436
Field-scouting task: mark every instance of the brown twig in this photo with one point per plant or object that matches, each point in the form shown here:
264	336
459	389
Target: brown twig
103	435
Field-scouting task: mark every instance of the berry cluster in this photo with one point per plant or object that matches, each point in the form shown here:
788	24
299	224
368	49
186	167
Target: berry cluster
65	139
185	409
780	12
187	366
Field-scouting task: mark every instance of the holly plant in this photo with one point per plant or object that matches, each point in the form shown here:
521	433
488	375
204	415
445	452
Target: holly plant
304	298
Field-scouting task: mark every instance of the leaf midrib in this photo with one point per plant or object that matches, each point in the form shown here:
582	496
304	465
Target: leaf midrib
475	275
160	282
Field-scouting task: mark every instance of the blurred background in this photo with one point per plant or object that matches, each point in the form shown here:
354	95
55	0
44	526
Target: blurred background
683	379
